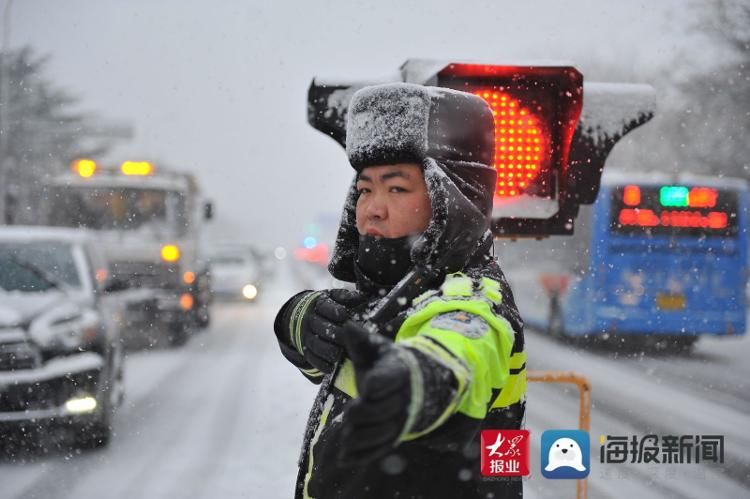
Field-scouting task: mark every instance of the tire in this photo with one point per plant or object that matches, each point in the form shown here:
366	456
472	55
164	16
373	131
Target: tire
178	333
203	317
98	433
202	311
95	435
684	344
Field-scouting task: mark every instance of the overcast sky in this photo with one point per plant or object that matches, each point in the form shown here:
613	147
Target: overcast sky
219	88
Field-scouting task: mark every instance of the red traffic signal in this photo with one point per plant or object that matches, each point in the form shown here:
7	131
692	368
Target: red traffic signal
536	110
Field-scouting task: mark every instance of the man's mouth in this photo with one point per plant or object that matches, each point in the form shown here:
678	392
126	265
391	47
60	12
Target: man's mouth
374	232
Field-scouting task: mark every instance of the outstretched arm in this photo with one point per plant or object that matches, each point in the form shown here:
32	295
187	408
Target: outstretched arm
308	329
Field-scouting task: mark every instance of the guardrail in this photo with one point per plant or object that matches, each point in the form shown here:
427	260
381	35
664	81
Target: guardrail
584	416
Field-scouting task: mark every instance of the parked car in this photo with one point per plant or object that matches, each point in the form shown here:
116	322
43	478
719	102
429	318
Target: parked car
61	358
235	273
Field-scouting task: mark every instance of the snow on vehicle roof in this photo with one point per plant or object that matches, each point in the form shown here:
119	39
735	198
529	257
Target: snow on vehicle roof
28	233
619	176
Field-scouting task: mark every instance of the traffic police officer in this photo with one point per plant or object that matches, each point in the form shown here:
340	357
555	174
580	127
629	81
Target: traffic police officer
429	349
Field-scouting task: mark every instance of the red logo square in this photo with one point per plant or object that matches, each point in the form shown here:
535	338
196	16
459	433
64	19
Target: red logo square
505	452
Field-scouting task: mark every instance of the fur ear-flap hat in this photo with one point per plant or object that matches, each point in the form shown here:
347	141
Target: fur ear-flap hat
449	133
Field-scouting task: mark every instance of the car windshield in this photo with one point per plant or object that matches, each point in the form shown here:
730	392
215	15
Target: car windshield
37	267
118	208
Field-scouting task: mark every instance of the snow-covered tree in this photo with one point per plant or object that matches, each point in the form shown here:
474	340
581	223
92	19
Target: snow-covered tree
43	130
713	127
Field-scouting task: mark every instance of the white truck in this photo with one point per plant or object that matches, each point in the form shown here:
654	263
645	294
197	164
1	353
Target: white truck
149	221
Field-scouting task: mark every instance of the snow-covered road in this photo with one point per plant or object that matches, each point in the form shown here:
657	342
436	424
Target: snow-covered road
699	394
223	417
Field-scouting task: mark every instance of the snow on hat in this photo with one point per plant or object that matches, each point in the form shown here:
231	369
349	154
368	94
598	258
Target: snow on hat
404	123
451	135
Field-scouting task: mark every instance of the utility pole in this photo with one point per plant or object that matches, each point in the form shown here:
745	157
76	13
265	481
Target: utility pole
4	91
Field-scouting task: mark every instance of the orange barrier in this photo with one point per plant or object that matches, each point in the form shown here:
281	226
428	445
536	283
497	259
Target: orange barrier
584	417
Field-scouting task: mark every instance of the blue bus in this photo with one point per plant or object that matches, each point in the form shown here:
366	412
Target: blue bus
657	259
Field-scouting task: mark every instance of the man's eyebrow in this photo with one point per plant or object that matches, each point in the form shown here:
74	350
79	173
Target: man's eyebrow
397	173
385	176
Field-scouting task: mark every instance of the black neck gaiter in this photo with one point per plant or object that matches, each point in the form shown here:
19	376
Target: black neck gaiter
384	261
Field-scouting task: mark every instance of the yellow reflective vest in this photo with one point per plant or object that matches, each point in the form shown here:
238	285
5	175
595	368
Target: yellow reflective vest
461	325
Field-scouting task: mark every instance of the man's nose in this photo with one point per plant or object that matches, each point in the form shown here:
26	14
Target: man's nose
376	209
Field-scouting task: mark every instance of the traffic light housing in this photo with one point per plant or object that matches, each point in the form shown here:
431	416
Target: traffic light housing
552	133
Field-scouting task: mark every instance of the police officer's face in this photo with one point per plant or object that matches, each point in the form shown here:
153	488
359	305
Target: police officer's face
393	201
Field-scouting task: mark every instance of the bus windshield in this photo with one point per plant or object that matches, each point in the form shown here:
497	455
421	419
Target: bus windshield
673	210
119	208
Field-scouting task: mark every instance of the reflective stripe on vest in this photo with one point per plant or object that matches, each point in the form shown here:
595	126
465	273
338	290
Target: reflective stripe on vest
321	424
345	380
515	388
513	391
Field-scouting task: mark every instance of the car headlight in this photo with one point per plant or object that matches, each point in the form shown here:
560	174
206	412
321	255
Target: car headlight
249	291
65	328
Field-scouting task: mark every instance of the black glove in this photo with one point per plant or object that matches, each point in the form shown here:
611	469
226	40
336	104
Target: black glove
309	327
374	421
387	406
